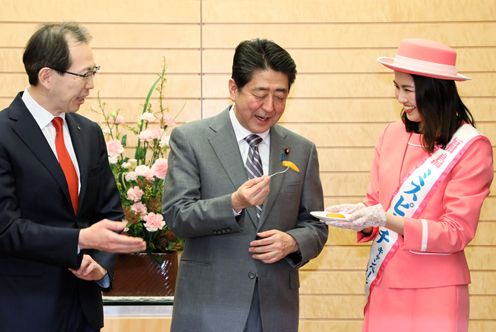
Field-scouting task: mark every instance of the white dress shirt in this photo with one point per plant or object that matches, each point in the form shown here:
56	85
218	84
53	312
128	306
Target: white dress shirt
44	120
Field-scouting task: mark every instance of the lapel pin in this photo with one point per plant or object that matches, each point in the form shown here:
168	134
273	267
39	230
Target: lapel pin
284	153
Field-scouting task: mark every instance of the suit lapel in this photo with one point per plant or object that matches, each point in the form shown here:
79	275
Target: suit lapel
28	131
277	140
224	143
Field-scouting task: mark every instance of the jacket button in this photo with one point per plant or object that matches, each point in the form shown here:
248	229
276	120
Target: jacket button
252	275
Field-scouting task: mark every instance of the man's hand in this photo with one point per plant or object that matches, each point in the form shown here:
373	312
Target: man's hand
104	236
252	192
89	270
272	246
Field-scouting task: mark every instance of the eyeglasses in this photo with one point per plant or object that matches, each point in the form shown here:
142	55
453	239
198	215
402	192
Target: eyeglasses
85	76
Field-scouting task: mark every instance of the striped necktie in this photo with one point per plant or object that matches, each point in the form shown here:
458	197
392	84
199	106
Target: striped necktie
253	162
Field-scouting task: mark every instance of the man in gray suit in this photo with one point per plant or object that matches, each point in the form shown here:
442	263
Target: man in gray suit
246	233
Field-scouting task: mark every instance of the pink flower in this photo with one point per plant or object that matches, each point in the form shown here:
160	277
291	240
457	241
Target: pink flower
159	168
144	171
139	208
131	176
119	119
116	119
134	194
150	134
154	222
114	148
169	120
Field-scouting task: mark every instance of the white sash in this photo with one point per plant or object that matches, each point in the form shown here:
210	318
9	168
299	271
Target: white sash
411	198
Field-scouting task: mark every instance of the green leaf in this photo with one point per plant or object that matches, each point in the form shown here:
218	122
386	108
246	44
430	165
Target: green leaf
124	140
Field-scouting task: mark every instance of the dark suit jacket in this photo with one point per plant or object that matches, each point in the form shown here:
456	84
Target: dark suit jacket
38	229
217	275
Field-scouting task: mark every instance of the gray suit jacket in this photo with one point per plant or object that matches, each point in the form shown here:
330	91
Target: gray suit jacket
217	274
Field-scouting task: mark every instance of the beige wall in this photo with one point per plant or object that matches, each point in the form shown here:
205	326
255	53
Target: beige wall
341	99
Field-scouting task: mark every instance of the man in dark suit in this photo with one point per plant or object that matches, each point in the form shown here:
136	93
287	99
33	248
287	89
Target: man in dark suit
245	239
57	194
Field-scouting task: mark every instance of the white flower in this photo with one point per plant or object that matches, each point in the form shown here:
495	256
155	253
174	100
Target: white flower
132	163
148	117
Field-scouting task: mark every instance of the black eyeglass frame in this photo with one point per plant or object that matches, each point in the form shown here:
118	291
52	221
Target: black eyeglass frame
90	73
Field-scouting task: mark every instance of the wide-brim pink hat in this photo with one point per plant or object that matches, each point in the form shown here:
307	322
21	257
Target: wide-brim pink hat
425	58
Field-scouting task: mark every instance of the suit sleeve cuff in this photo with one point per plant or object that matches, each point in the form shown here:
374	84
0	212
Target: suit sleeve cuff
416	234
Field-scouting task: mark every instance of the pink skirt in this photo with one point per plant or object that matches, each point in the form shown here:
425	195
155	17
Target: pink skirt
418	310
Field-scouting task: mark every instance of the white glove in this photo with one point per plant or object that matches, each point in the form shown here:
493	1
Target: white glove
370	216
345	208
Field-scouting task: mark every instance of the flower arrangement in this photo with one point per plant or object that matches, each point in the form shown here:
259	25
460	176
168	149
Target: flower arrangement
141	179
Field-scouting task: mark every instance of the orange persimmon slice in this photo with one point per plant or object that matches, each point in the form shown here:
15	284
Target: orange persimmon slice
291	165
335	215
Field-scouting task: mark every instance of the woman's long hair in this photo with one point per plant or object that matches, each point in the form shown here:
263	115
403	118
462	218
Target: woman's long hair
441	109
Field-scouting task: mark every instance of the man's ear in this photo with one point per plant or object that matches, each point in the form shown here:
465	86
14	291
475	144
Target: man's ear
45	76
233	89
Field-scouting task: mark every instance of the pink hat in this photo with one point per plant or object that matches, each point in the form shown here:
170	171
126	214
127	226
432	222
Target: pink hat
425	58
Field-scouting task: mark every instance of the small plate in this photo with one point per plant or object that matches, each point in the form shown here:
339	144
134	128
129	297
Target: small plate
322	215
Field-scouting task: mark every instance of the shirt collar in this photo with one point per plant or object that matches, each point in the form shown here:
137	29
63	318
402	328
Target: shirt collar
39	113
240	131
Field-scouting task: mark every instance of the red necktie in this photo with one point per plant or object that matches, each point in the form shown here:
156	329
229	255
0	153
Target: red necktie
66	162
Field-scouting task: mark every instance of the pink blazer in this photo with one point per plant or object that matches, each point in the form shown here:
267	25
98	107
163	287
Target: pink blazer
450	217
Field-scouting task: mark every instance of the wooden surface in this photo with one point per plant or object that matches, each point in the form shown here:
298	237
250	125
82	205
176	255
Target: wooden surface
136	324
342	98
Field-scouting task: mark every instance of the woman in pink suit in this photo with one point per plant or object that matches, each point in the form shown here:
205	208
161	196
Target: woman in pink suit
430	175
